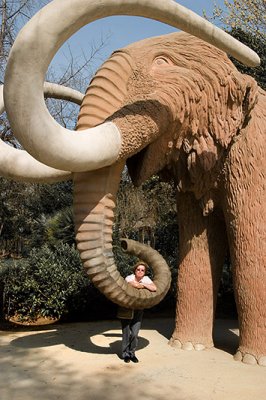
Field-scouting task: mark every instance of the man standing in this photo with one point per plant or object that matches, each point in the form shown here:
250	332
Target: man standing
131	319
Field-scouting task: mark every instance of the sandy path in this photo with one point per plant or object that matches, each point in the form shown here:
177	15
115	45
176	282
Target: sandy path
80	361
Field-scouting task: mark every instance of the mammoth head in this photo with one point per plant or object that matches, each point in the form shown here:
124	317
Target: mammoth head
127	110
168	95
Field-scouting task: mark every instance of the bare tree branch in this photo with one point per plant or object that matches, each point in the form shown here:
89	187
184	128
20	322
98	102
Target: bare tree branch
76	72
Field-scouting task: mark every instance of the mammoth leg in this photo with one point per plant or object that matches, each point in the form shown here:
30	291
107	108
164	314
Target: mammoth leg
202	250
245	213
249	277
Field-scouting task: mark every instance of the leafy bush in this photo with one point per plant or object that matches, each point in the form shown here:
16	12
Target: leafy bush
60	228
50	283
25	213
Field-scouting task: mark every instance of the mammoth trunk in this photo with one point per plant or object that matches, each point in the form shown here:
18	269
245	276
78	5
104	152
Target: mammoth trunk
94	203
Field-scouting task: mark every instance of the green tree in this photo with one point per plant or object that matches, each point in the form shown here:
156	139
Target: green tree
25	212
148	214
60	228
247	15
245	20
141	209
258	45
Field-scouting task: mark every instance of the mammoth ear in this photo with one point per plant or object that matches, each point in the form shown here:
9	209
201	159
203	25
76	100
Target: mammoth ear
229	107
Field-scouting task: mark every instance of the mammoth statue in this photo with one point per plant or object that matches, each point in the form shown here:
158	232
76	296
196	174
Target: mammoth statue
174	105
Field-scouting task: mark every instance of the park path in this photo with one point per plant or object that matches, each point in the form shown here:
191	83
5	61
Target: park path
80	361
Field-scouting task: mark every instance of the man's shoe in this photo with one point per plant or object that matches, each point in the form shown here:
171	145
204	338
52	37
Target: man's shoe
127	359
134	359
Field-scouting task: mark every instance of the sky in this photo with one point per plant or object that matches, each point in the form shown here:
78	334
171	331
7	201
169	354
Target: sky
120	31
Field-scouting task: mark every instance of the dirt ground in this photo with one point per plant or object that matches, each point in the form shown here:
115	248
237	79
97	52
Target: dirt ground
81	361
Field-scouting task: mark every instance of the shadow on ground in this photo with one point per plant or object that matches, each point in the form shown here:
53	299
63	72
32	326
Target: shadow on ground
78	336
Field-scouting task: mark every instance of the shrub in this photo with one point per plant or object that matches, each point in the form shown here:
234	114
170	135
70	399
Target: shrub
45	283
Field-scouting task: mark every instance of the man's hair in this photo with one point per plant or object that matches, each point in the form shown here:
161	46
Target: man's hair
145	265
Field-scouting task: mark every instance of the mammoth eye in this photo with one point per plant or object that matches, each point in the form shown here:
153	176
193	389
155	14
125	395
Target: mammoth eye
161	61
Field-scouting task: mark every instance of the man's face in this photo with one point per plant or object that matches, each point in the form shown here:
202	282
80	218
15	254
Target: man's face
140	271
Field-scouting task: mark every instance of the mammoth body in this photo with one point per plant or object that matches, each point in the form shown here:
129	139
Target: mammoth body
185	112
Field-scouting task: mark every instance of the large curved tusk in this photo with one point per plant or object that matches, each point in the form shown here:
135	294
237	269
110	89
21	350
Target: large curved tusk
18	164
51	90
30	120
21	166
62	92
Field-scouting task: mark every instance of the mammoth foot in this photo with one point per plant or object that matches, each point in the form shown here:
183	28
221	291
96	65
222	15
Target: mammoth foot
188	345
247	358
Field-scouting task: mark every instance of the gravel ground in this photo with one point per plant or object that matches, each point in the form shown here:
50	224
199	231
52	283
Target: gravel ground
81	361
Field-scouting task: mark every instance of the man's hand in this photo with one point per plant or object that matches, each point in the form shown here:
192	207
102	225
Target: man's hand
136	285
